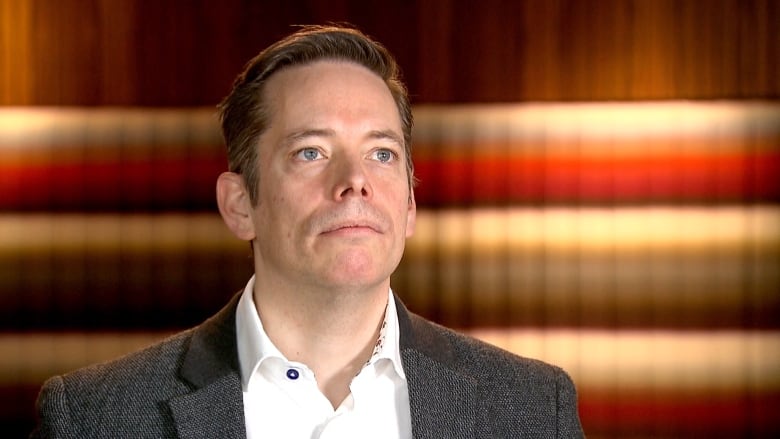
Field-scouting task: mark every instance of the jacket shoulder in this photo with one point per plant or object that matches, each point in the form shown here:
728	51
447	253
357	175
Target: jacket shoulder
132	395
516	395
128	390
157	362
472	356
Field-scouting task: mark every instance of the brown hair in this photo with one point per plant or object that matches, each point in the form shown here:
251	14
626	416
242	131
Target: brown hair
245	116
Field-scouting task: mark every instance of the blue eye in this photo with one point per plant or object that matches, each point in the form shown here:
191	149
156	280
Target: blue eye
309	154
384	155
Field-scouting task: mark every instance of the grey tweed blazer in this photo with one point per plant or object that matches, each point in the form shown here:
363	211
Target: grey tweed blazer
188	386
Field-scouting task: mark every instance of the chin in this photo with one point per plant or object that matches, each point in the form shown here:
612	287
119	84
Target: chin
356	279
349	278
358	268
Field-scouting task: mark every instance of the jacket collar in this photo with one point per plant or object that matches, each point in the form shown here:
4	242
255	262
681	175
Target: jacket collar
215	407
442	400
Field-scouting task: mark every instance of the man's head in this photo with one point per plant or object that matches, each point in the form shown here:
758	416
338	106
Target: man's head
318	134
245	114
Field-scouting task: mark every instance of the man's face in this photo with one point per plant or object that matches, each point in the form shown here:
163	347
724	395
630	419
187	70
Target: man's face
334	207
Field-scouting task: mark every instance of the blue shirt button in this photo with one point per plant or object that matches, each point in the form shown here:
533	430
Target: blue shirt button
293	374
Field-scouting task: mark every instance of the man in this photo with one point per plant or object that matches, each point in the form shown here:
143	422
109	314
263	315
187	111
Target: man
318	131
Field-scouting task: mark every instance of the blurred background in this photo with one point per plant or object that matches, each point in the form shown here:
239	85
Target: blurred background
599	188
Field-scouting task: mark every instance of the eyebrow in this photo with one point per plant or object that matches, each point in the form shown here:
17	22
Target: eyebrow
386	135
304	134
325	132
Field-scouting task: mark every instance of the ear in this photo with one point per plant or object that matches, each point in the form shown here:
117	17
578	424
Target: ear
411	215
235	205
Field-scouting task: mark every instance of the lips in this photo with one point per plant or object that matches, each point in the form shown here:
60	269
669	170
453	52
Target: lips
353	218
353	226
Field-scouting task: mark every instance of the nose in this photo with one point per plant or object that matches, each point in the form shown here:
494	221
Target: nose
350	179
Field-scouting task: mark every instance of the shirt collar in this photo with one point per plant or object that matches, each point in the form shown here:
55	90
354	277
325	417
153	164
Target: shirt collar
388	343
254	346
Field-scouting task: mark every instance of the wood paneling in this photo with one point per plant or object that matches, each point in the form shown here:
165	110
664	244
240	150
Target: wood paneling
106	52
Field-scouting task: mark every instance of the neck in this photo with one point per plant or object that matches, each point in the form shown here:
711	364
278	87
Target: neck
332	333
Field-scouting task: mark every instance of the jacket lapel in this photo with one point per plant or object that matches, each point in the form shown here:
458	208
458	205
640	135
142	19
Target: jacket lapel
442	401
211	411
215	407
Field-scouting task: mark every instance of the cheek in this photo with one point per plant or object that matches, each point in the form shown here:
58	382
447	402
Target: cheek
289	215
277	201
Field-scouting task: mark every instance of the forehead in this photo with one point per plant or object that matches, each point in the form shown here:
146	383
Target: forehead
328	88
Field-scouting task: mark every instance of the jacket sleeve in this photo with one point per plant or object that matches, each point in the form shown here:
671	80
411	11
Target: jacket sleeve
54	418
569	425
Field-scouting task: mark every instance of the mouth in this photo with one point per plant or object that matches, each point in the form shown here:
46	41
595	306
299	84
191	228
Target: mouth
355	220
351	228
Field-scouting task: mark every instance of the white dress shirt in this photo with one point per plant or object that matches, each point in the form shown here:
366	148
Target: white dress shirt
282	400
